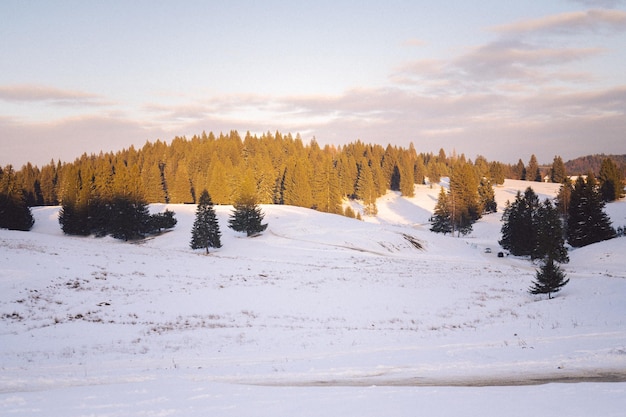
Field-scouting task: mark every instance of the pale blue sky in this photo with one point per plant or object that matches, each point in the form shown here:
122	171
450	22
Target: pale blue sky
504	79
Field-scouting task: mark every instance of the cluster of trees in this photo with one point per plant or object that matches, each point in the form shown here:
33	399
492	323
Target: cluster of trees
586	220
540	229
108	205
14	211
469	196
246	217
533	228
121	217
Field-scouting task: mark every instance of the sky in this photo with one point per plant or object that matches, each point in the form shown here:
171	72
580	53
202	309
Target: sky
499	78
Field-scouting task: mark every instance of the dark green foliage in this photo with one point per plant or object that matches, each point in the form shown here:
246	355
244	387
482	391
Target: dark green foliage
587	222
611	181
550	278
162	221
74	219
122	217
518	234
247	216
441	222
549	236
205	232
129	219
14	213
534	229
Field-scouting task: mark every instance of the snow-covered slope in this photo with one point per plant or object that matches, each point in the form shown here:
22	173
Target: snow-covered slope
320	315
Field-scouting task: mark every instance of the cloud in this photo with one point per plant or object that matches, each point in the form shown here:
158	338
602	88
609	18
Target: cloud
39	93
594	20
516	60
501	64
608	4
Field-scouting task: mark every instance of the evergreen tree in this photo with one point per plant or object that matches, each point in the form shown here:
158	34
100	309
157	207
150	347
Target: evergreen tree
550	278
247	216
162	221
129	219
563	198
518	228
611	181
487	196
464	198
206	231
496	171
587	222
519	171
549	238
532	171
557	172
365	189
442	218
14	211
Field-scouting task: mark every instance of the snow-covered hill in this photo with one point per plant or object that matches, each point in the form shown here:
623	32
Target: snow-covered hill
320	315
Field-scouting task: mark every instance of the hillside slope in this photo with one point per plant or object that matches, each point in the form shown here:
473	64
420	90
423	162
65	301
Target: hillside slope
98	326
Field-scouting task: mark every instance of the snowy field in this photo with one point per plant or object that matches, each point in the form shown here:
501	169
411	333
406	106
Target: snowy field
320	316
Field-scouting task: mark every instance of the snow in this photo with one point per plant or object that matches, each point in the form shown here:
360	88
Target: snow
320	315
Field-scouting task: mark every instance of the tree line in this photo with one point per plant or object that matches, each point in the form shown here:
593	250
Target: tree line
284	170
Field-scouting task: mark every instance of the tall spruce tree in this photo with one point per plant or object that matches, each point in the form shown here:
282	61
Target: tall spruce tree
130	219
549	237
532	171
487	196
611	181
518	229
557	171
441	221
464	198
550	278
587	222
205	232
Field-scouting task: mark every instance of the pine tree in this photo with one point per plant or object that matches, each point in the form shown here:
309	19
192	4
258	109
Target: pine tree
557	172
563	198
519	171
464	198
365	189
587	222
532	171
611	181
518	228
549	237
205	232
496	171
130	219
14	211
487	196
247	216
442	219
550	278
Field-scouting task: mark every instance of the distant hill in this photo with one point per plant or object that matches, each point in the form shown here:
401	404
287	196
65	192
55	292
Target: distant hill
584	164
